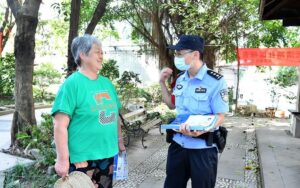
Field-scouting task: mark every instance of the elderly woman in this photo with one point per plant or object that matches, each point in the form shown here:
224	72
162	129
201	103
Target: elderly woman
87	130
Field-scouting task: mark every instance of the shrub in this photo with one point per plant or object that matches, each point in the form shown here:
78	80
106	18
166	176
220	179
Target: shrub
43	77
7	74
41	138
110	69
127	87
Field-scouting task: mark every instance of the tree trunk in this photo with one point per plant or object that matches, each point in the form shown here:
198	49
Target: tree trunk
73	32
298	93
210	56
98	14
165	58
26	19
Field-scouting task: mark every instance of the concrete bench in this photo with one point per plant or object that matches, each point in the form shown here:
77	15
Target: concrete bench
295	123
138	123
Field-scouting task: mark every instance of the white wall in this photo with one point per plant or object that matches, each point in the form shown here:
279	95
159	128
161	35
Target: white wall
256	90
128	59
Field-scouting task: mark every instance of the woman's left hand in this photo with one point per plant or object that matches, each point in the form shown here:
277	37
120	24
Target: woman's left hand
121	147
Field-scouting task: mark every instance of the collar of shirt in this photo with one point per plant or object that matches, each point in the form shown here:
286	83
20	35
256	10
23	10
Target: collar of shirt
199	75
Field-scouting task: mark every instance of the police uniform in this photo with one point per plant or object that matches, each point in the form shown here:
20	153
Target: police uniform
189	157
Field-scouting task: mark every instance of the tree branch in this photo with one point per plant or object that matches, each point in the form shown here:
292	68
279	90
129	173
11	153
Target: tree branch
14	6
5	20
73	32
98	14
146	32
139	30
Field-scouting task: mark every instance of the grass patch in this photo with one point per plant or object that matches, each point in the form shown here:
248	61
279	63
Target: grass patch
6	100
39	138
32	176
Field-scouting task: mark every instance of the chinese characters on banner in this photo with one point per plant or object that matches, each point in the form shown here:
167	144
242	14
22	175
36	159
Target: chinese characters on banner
269	56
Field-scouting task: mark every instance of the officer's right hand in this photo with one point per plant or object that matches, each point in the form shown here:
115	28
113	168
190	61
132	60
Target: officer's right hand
185	129
165	74
62	168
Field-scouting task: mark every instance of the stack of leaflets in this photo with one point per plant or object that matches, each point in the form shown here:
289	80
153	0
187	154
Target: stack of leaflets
195	122
120	167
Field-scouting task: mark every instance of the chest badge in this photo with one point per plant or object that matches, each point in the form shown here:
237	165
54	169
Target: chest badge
179	86
200	90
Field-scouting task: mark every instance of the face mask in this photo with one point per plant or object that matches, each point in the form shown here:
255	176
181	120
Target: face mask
180	64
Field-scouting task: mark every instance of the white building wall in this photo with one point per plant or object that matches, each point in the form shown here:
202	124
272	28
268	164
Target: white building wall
128	59
254	88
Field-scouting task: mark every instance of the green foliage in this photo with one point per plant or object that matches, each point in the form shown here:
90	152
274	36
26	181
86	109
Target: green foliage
219	22
63	9
153	96
43	77
167	116
7	74
128	78
6	100
139	14
110	69
28	176
127	87
54	32
35	175
272	34
39	137
87	10
285	77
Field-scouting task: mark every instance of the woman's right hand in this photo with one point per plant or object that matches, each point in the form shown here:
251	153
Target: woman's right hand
62	168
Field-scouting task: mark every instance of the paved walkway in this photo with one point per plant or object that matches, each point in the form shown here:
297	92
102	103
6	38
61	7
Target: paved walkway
8	161
278	153
147	166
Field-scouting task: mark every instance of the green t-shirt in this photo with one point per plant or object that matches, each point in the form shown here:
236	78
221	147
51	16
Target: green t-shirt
92	106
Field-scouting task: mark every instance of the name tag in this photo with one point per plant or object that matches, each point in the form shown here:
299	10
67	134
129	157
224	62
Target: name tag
200	90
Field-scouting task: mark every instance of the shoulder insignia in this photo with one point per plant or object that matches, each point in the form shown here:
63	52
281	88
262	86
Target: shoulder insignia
214	74
179	74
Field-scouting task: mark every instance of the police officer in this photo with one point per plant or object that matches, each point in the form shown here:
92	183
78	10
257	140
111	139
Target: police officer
201	91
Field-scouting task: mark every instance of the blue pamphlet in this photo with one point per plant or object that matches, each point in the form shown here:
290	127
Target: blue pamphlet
120	167
195	122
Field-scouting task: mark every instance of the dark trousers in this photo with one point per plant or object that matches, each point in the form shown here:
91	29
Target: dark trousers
198	164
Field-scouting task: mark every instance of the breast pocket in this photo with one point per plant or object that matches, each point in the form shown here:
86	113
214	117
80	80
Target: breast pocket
178	98
199	104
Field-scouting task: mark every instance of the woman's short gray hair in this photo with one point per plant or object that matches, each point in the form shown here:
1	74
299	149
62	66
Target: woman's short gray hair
83	44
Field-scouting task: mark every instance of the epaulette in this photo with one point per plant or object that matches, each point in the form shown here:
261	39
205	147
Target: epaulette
214	74
180	73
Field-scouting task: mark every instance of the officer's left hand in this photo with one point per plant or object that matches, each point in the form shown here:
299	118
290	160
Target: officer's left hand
184	129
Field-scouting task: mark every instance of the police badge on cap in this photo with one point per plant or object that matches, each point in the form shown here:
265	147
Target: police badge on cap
224	95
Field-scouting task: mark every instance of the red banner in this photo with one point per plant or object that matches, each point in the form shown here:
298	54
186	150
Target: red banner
269	56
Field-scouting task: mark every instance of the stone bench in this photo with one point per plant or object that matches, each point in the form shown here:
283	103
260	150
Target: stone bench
295	123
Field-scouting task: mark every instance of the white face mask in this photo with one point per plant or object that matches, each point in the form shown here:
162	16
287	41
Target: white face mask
180	64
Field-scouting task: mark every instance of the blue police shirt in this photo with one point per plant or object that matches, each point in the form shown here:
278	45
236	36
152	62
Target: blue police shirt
205	94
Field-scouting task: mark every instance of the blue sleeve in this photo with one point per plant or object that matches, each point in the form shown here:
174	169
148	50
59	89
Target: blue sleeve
219	100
